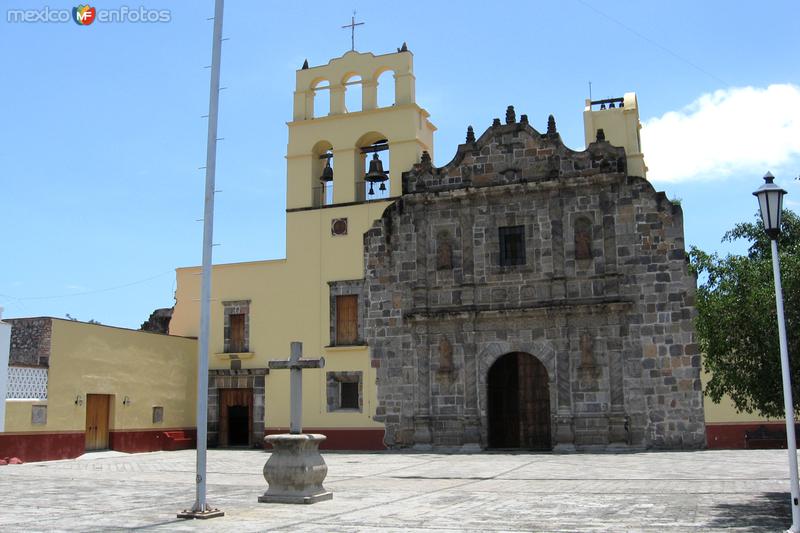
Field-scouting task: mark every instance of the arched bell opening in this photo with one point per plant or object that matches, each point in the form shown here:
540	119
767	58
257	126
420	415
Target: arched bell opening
518	395
322	173
386	88
321	106
352	93
373	157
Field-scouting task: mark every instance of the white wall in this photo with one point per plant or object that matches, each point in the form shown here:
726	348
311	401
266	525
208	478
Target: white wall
5	347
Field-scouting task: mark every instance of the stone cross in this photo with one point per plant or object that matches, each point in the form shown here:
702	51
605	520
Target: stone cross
296	365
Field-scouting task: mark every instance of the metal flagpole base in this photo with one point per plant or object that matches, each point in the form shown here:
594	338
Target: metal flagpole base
202	515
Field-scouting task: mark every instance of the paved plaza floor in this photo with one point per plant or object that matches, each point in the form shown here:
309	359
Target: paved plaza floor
653	491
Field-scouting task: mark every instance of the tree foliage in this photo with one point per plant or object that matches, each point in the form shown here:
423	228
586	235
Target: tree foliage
737	318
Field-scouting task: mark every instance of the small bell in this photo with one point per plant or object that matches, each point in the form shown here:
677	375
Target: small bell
371	190
382	187
376	173
327	172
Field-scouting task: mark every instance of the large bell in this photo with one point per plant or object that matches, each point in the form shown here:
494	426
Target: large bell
376	173
327	172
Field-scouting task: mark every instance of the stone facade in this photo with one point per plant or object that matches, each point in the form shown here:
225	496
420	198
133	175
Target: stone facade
30	341
252	379
603	298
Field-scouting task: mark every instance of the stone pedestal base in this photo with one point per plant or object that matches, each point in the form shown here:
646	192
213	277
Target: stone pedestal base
295	470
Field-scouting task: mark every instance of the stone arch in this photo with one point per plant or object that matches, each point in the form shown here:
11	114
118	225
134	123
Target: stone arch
541	350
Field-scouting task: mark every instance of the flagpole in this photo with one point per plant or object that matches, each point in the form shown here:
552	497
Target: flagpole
200	509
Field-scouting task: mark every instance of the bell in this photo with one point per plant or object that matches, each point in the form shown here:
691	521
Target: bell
376	172
382	187
327	172
371	190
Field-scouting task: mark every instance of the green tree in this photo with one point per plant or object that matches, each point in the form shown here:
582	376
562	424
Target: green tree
737	318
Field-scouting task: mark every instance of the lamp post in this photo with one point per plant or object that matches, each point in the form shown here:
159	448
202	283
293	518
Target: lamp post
770	202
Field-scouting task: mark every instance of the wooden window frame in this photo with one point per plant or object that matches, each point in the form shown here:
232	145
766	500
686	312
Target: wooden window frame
346	330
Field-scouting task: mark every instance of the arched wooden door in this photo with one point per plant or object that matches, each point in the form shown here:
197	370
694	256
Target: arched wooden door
519	403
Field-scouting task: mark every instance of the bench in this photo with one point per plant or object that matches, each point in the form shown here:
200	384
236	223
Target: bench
177	440
764	439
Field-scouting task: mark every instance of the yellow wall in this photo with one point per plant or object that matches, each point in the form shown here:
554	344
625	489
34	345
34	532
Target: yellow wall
725	413
151	369
290	301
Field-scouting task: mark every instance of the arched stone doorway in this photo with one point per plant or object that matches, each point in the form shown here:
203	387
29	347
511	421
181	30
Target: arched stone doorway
519	403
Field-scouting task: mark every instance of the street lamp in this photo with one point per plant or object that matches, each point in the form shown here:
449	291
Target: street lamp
770	202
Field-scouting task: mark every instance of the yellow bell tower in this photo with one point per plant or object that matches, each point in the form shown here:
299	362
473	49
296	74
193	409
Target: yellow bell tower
344	137
315	294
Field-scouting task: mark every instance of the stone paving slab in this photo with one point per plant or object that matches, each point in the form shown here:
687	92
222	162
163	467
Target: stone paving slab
741	491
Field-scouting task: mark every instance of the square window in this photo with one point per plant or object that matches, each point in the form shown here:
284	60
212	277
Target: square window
512	245
348	395
344	391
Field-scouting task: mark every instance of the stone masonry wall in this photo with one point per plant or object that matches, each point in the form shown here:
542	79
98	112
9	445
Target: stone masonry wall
604	299
30	341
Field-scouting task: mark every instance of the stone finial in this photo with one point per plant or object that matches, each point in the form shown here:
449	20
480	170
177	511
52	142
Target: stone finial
551	125
496	122
601	135
403	48
523	119
305	65
511	116
470	134
425	159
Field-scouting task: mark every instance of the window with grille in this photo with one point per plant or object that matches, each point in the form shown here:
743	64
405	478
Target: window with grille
512	245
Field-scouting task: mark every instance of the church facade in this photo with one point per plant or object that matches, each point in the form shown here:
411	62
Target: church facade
526	295
523	296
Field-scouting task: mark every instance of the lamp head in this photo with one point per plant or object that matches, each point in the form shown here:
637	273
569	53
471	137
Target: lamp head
770	202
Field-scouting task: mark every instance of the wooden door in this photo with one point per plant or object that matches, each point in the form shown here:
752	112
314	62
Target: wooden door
534	403
519	403
97	411
232	404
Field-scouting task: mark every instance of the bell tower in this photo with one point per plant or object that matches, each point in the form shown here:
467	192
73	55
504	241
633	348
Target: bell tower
335	154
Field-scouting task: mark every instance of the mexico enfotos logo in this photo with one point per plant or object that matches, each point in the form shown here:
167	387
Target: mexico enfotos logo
85	15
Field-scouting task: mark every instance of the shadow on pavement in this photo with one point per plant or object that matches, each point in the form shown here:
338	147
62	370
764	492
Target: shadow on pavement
768	511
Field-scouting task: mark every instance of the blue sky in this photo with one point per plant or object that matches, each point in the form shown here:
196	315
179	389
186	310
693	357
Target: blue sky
102	134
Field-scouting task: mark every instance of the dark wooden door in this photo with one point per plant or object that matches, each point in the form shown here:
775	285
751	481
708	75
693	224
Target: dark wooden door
519	403
235	417
534	403
97	411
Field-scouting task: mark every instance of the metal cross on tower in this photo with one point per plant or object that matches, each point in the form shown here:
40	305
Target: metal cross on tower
296	365
352	27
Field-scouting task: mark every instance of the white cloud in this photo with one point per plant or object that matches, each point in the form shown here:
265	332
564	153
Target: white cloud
749	130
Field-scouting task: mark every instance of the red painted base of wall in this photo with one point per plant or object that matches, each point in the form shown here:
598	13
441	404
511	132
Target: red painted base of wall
41	446
731	436
138	441
343	438
52	446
